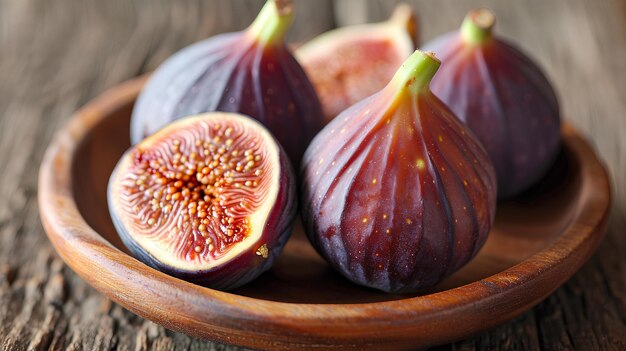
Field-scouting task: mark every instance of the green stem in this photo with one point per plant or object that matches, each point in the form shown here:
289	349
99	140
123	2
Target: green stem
416	72
272	22
477	26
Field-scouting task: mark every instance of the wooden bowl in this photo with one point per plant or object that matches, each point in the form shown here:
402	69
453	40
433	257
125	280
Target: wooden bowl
538	242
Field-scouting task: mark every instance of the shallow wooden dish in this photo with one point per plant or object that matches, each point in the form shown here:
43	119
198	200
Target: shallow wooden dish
538	242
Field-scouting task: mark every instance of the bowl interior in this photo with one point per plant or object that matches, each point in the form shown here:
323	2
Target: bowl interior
524	226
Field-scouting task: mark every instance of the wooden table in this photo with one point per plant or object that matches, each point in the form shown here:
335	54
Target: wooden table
55	56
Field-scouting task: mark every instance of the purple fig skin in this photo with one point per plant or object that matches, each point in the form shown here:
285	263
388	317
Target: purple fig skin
397	193
236	72
505	99
247	264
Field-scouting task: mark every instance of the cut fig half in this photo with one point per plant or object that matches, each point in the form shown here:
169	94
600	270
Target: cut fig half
351	63
209	199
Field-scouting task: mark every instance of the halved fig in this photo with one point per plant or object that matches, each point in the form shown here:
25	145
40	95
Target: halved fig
504	98
209	199
397	192
251	72
351	63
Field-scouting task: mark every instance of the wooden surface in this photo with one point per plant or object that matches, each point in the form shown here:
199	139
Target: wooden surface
54	56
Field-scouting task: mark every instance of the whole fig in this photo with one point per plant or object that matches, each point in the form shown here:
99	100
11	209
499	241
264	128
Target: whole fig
251	72
209	199
397	193
503	97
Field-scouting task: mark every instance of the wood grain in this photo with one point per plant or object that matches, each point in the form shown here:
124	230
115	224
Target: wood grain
54	56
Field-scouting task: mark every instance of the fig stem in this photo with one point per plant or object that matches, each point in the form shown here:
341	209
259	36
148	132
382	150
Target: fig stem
417	72
477	26
272	22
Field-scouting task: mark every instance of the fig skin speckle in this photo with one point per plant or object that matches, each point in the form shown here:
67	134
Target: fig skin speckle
418	222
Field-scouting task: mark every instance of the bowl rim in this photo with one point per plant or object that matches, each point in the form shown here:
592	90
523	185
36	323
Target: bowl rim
122	278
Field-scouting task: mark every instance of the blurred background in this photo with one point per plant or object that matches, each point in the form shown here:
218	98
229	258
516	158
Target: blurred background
56	55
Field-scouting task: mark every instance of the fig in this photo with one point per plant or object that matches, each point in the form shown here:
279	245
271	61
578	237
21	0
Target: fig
397	192
351	63
251	72
209	199
503	97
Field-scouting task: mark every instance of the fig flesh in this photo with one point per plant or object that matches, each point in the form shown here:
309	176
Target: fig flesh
351	63
251	72
503	97
209	199
397	192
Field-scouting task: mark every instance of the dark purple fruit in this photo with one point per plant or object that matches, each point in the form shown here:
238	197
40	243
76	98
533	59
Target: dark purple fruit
397	193
251	72
209	199
503	97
